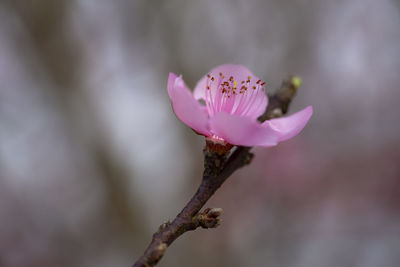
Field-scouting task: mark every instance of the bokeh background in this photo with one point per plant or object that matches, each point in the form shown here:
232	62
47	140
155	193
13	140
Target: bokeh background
92	158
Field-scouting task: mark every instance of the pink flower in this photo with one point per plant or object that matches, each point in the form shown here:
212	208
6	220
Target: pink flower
234	99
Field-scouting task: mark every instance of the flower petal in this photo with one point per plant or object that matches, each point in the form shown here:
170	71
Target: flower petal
171	82
242	131
257	104
186	107
199	91
290	126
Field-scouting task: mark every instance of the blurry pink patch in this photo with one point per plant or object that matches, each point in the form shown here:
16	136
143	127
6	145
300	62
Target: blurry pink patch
234	98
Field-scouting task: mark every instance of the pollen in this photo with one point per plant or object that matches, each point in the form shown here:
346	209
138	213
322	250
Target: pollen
234	84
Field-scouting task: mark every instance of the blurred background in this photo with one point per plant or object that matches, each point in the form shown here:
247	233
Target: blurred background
93	159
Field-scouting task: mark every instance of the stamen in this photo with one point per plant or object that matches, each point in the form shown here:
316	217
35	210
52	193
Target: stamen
218	96
227	96
209	100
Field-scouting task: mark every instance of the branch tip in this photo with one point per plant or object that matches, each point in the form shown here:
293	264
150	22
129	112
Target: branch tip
219	163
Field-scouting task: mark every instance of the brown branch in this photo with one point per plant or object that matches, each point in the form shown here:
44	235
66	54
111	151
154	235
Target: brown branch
218	166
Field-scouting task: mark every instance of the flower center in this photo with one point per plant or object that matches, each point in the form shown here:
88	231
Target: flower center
234	96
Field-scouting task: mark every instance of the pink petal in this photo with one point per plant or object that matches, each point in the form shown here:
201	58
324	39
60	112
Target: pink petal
199	91
290	126
171	82
258	102
186	107
242	131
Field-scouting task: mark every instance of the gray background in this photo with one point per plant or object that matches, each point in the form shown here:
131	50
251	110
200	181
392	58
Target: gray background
92	158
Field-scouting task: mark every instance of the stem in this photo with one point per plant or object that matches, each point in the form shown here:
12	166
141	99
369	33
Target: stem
217	168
